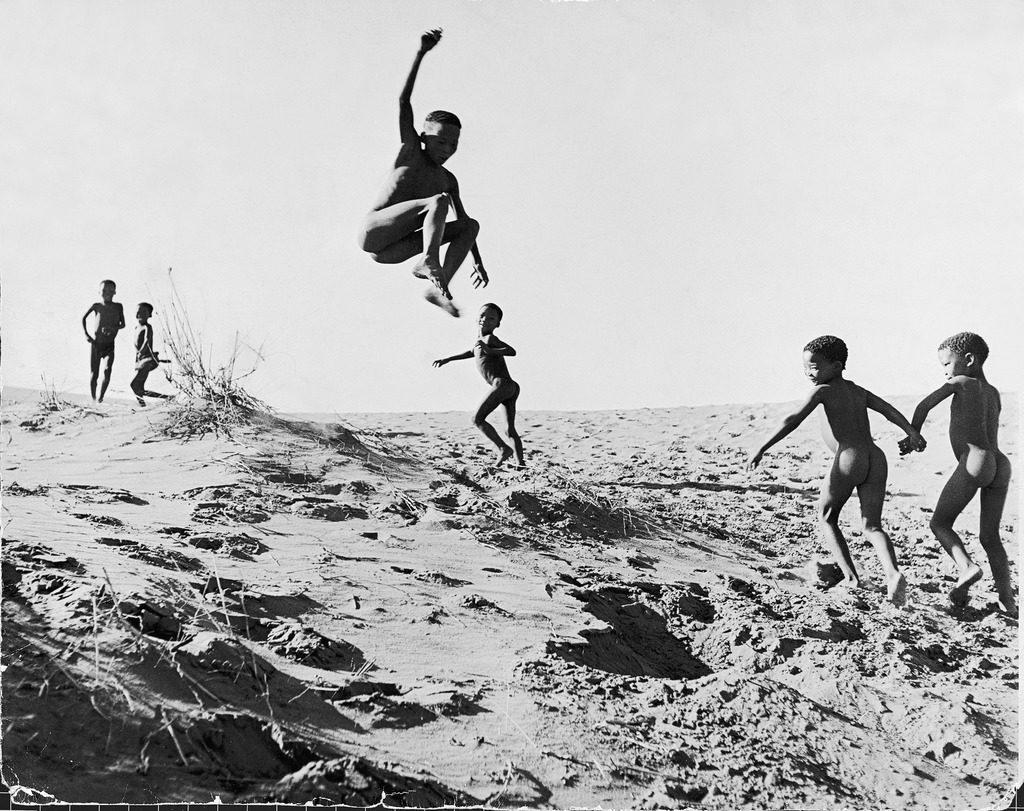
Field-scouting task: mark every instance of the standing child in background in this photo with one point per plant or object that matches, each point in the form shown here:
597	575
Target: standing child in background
410	215
490	353
110	320
981	466
146	360
859	463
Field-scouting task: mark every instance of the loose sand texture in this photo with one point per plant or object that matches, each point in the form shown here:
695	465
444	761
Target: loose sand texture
340	609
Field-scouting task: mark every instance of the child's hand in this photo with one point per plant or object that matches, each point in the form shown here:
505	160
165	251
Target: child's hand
440	363
755	460
429	39
479	276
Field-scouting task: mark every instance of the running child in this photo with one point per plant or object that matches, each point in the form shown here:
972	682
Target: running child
110	319
981	466
859	464
409	217
146	360
490	353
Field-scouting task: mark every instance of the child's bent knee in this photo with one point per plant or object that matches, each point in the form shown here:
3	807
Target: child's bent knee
939	523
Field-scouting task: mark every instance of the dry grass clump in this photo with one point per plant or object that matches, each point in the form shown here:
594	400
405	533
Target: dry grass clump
52	409
211	398
50	400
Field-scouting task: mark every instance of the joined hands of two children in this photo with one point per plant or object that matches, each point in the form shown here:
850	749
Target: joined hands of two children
910	444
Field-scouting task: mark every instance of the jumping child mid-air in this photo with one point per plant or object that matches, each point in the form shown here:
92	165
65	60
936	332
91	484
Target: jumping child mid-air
146	360
981	466
110	319
410	215
859	463
490	353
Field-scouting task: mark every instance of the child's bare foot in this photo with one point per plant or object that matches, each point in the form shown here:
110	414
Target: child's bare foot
140	400
848	583
429	269
958	594
896	589
436	298
504	456
1007	604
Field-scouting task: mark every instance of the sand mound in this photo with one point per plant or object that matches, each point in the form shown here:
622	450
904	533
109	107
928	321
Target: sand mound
311	612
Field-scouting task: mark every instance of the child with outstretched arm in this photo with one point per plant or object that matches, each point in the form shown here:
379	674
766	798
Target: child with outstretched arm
981	466
859	464
109	321
490	353
410	216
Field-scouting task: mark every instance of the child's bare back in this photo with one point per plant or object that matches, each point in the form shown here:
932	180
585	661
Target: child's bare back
845	421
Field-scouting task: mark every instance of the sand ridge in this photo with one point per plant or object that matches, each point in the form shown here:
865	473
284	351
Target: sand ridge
340	609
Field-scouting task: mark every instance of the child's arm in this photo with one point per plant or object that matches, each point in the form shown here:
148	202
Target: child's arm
144	343
85	318
913	440
406	123
921	413
493	345
479	275
120	316
461	356
789	424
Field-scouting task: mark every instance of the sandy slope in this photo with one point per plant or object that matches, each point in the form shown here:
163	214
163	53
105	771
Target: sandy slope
339	609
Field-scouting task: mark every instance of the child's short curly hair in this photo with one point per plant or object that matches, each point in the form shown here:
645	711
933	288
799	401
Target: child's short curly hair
964	342
491	306
830	347
443	117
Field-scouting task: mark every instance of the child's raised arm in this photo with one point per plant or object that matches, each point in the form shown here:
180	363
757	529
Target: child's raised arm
789	424
461	356
406	123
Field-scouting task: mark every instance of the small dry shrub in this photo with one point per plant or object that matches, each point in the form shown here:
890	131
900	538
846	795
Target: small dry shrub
211	398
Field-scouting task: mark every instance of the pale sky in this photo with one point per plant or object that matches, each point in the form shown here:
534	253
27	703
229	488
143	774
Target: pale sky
674	197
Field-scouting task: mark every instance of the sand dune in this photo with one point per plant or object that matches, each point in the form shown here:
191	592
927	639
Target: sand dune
340	608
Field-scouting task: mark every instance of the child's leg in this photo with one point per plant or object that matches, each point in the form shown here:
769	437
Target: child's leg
513	434
955	496
871	493
106	375
835	492
138	384
94	369
463	234
993	498
407	229
499	391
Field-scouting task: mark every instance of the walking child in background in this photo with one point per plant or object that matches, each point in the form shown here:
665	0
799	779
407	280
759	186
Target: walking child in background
146	360
110	319
490	353
859	463
410	215
981	466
